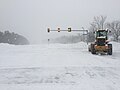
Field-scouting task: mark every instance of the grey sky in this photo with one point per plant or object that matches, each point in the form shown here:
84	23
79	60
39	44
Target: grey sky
31	17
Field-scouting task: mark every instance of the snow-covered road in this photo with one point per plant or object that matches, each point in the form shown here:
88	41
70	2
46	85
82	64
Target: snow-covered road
58	67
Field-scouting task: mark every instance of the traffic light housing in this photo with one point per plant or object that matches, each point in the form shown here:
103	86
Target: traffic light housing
58	29
48	30
69	29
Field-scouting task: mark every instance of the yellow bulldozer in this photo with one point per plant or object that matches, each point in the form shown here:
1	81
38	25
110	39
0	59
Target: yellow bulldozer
101	44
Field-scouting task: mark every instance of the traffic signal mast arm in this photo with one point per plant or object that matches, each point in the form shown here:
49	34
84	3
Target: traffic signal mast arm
69	30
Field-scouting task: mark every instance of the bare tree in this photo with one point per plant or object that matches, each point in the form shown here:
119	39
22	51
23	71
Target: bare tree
98	23
115	29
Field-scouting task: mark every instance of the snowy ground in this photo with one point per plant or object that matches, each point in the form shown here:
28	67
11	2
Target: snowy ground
58	67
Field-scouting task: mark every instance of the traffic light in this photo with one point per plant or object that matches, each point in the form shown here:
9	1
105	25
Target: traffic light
48	30
69	29
58	29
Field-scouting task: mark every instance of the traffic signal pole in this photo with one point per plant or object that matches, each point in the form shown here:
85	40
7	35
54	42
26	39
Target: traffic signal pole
70	30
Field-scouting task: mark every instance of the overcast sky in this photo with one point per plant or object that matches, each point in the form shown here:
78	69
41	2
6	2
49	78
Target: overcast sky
32	17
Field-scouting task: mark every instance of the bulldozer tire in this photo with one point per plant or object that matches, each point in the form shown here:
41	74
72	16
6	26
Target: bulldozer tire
93	49
110	49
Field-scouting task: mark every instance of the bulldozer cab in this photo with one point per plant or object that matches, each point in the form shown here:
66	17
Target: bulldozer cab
101	37
101	34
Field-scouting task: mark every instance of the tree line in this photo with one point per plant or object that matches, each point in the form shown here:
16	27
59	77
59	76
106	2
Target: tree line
12	38
68	39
